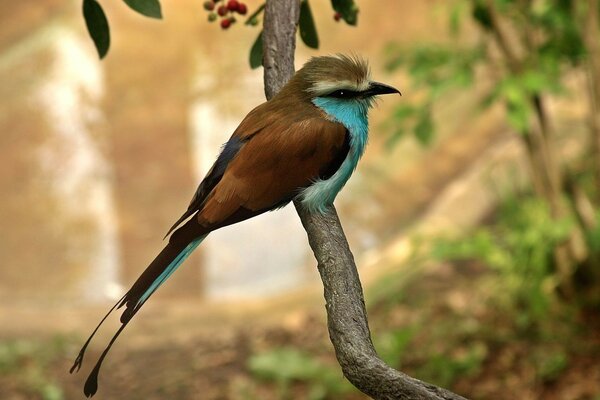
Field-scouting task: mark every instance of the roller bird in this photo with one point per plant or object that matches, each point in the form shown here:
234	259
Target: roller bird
303	144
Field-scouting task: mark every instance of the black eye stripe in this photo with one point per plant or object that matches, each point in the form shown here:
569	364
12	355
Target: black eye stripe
343	94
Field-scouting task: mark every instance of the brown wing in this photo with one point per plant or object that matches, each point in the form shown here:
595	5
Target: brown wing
254	122
275	162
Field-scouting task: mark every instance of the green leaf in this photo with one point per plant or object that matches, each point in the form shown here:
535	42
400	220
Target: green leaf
348	10
535	81
455	18
404	112
403	117
482	15
97	26
517	114
253	18
256	52
149	8
513	92
283	365
308	30
286	365
398	133
424	127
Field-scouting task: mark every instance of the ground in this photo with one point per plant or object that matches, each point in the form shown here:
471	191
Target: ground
454	339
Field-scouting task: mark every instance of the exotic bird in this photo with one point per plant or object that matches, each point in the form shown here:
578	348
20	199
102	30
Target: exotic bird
303	144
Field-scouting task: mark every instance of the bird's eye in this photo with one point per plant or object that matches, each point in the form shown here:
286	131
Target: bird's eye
342	93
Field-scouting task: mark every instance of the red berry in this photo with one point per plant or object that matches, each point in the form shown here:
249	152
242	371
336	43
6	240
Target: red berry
222	10
232	5
337	16
225	23
242	9
209	5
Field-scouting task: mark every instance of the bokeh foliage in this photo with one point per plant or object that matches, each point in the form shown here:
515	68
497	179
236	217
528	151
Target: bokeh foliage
553	45
518	54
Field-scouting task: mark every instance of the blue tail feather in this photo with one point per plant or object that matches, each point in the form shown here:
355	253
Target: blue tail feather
148	285
181	257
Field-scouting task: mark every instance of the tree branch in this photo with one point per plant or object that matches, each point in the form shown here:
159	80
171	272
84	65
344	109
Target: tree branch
279	43
346	313
347	317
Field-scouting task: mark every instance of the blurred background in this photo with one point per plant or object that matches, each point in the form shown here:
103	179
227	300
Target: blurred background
473	216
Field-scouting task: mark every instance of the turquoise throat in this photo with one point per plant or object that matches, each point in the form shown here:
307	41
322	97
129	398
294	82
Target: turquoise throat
353	115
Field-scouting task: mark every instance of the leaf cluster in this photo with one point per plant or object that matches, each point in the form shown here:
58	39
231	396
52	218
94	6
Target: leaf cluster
99	30
285	366
519	247
29	363
97	23
434	70
306	27
550	42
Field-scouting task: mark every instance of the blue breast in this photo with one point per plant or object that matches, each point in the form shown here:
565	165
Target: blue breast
353	114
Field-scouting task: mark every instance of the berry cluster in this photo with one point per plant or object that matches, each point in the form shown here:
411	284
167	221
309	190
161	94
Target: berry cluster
225	9
337	17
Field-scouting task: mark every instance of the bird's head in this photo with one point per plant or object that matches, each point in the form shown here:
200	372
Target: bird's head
337	84
341	77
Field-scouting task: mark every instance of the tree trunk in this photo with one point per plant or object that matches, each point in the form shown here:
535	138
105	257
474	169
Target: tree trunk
546	171
347	317
591	37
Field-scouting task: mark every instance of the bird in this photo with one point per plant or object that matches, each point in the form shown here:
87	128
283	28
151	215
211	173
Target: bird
303	144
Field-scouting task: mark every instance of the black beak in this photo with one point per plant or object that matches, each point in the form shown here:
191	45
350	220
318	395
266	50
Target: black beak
376	89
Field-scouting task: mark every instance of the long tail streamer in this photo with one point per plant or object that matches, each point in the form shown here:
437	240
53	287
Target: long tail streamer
152	278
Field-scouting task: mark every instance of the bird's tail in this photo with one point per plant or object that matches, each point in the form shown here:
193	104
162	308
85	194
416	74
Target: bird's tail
170	258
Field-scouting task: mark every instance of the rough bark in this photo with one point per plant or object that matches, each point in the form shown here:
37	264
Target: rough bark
346	313
279	43
347	317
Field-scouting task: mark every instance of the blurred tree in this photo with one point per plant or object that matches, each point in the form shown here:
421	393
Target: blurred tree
526	48
589	13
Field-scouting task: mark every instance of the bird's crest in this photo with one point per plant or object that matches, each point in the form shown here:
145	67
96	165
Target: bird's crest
321	75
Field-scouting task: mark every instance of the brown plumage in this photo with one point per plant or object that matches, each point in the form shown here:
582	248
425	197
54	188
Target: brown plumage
280	148
292	150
